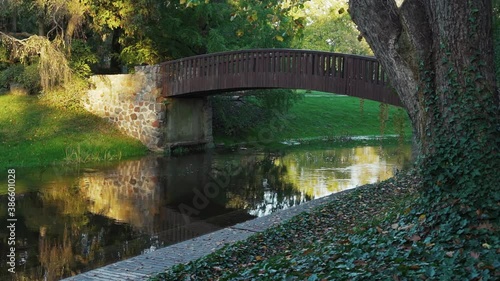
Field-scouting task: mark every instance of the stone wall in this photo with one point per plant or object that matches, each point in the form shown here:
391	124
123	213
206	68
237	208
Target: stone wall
131	101
134	103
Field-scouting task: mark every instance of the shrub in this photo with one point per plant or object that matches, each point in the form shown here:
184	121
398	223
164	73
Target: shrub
68	96
81	58
9	75
27	77
30	79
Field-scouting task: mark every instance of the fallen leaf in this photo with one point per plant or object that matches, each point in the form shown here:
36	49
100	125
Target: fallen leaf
486	246
415	238
474	255
415	267
450	253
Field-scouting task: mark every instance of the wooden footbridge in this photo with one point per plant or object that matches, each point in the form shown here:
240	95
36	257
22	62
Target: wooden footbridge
352	75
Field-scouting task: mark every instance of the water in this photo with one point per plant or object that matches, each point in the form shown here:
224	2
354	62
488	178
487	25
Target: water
73	220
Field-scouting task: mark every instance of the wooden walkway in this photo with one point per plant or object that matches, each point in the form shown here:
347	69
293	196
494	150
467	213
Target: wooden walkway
352	75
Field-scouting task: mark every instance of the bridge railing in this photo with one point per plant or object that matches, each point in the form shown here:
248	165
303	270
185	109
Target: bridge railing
352	75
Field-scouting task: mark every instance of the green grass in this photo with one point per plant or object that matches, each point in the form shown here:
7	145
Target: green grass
329	115
36	134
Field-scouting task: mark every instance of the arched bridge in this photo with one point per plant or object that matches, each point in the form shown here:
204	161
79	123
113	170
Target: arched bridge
352	75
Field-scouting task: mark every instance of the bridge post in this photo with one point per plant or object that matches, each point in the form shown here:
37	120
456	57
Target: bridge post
188	123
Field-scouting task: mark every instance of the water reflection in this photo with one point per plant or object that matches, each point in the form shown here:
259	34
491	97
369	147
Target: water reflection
74	220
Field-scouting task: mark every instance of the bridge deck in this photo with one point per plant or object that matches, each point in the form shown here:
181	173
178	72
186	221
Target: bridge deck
352	75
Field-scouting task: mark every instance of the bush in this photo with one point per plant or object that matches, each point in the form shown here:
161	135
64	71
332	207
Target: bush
68	96
9	75
30	79
236	116
81	58
27	77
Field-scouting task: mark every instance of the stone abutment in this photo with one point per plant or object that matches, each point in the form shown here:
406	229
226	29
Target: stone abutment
134	103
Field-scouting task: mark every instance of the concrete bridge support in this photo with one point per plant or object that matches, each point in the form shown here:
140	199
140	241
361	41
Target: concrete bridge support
188	122
134	103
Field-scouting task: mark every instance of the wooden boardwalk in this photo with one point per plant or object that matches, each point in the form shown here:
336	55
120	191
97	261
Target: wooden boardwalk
352	75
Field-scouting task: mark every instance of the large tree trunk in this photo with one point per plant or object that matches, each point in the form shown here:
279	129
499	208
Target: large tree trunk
438	55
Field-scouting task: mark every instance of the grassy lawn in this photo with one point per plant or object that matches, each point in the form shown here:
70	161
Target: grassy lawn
329	115
36	134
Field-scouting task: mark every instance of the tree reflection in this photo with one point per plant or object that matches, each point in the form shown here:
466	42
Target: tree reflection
78	221
261	186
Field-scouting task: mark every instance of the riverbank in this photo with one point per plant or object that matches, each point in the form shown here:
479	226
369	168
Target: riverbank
372	233
290	249
33	133
327	116
266	235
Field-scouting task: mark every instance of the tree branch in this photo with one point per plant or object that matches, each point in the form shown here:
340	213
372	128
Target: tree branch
374	16
419	34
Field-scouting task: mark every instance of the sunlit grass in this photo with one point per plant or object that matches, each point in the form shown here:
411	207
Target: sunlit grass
79	156
330	116
35	134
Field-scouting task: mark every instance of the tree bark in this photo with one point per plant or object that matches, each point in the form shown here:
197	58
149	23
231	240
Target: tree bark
438	55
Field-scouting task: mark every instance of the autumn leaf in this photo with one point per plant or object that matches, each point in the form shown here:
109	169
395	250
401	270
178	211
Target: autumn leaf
486	246
415	238
421	218
279	38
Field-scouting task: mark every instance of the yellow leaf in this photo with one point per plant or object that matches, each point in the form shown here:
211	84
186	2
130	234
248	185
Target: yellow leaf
182	2
421	218
259	258
239	33
279	38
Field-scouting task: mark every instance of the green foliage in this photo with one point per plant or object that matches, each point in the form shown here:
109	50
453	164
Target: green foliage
30	79
4	57
330	28
68	96
27	77
9	75
142	52
236	117
80	156
82	58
